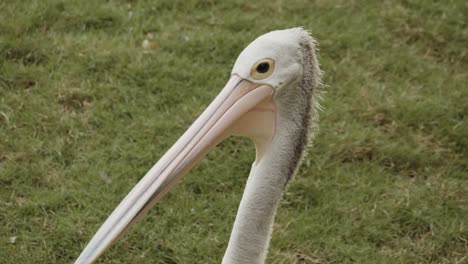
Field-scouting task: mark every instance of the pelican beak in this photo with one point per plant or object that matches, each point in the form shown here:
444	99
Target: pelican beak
221	119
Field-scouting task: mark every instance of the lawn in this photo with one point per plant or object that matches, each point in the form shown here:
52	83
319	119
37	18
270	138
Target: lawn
85	111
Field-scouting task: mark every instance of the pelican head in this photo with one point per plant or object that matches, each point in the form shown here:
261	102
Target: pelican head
271	98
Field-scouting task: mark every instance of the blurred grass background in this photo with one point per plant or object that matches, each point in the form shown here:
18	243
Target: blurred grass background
85	111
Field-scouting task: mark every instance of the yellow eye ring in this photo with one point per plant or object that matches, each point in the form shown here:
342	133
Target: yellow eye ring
262	69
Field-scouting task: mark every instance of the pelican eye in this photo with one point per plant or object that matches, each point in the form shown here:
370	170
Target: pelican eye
262	69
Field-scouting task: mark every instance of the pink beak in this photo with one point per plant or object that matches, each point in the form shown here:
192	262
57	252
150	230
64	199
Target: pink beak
218	121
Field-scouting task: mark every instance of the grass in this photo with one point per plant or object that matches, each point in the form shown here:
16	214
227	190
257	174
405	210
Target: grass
85	111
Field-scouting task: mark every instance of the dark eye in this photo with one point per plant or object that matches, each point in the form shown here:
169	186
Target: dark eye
263	67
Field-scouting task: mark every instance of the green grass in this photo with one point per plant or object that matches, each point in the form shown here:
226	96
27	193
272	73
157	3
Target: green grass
85	111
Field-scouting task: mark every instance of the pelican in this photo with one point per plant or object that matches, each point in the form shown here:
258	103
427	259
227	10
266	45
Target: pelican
271	98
